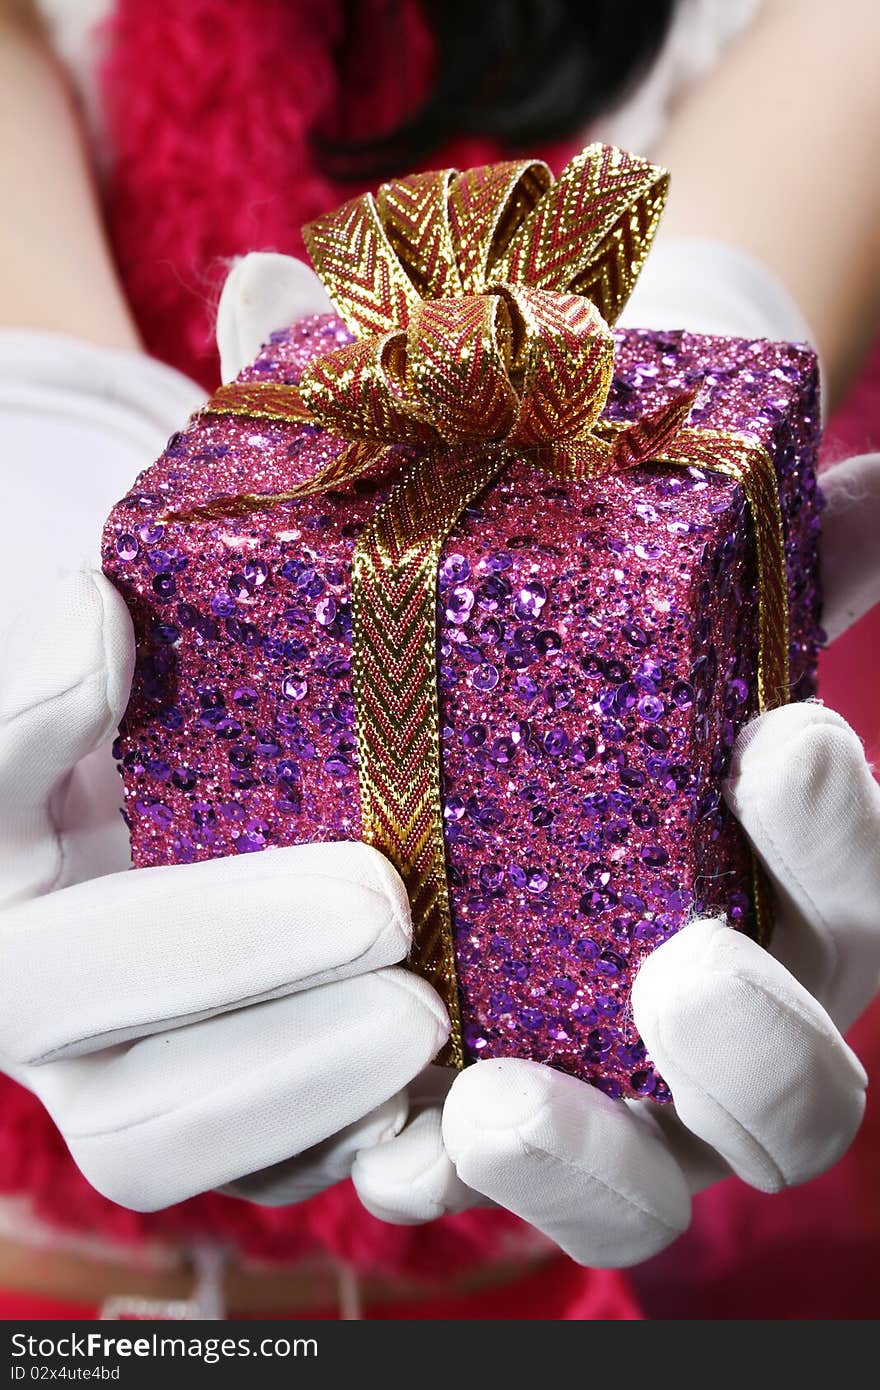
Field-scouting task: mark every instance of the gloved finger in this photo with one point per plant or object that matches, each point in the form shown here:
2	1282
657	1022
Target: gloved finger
134	953
410	1178
756	1067
64	684
850	553
594	1176
330	1162
296	1179
263	292
157	1121
701	1165
803	792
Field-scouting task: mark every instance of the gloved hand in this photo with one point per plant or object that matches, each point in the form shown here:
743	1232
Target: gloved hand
187	1025
763	1083
183	1026
750	1043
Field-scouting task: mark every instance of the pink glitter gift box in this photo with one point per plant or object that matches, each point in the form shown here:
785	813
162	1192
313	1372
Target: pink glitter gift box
597	654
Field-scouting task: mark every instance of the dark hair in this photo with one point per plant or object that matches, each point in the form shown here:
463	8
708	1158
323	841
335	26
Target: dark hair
525	72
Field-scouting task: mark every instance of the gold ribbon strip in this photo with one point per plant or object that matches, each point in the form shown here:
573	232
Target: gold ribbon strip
480	304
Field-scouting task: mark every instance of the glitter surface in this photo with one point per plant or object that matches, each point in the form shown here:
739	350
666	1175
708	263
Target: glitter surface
597	656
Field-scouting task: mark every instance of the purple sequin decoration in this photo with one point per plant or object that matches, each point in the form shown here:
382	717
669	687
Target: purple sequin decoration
597	654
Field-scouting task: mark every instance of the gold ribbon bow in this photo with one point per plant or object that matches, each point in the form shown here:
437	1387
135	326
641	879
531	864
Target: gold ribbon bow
480	304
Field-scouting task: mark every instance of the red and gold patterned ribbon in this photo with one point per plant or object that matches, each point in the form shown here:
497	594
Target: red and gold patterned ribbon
480	304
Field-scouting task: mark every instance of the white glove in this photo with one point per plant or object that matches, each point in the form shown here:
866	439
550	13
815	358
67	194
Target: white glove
187	1025
763	1083
184	1026
750	1043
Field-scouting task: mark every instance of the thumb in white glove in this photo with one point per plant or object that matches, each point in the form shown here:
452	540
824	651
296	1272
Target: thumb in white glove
264	292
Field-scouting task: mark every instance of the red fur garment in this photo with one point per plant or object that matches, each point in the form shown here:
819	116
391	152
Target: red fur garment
212	111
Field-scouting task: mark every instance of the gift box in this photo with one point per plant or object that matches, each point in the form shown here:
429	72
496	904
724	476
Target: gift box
465	574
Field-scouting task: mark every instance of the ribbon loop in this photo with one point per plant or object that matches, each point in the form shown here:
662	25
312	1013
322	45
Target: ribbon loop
354	257
459	358
360	392
592	230
415	213
566	363
486	207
